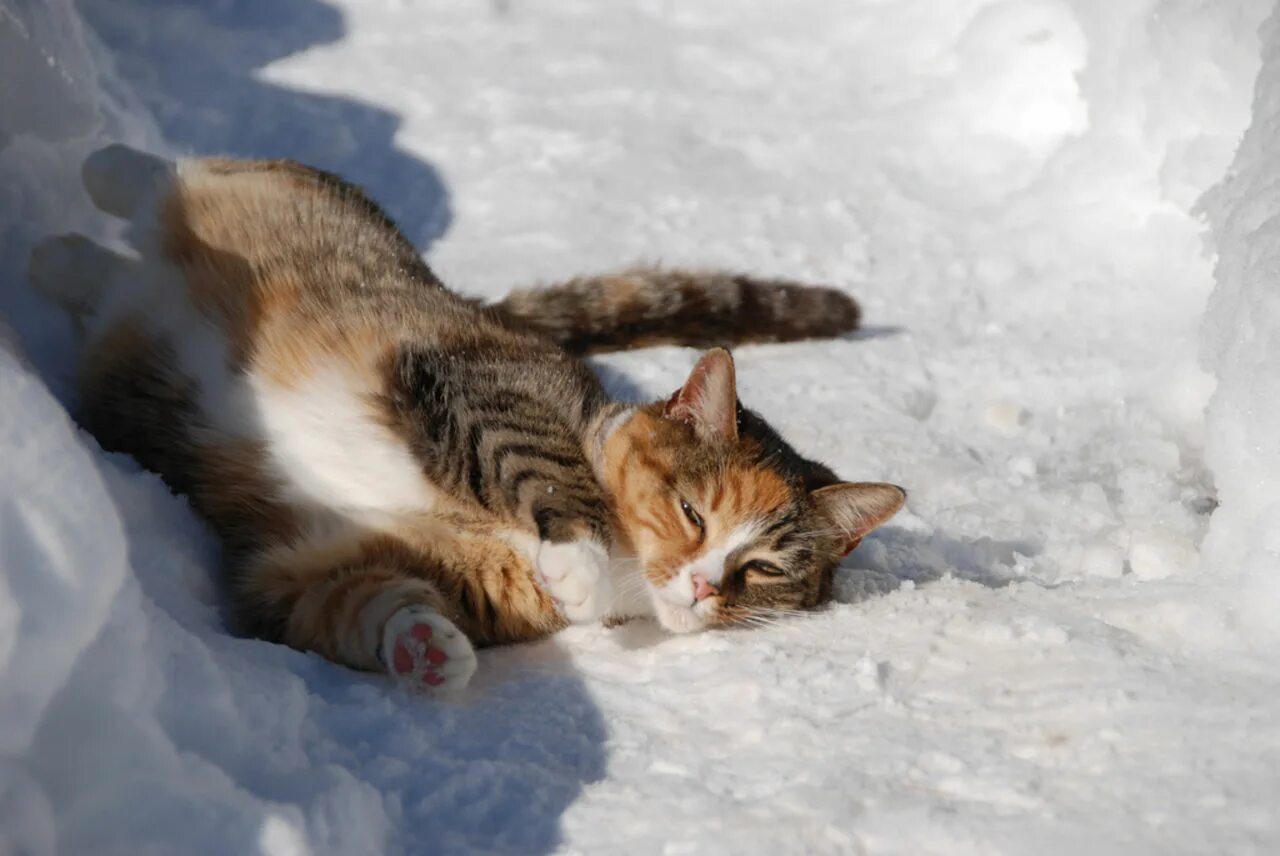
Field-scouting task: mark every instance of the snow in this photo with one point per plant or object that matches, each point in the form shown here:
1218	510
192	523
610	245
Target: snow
1044	652
1241	339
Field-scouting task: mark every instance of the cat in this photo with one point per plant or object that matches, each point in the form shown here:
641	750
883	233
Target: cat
399	475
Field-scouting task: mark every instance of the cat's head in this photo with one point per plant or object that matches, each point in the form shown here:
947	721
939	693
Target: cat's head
728	522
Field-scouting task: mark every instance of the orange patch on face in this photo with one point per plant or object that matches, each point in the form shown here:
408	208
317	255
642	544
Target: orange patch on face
748	493
639	473
643	473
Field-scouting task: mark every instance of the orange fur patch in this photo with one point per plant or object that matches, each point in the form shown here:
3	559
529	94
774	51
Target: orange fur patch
235	490
643	475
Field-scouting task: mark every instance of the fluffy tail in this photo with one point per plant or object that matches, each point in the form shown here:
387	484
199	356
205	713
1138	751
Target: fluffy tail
652	306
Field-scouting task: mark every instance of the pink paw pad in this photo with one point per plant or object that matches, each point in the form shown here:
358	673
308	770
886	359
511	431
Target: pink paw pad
414	652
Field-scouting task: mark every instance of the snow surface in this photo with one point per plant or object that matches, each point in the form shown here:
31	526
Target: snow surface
1036	656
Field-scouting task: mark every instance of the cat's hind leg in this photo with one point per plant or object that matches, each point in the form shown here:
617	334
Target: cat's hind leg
73	271
362	602
121	180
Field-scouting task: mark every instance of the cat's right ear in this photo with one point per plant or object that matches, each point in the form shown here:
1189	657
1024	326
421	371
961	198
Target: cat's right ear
708	401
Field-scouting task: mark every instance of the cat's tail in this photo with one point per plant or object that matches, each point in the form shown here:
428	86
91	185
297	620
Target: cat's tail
655	306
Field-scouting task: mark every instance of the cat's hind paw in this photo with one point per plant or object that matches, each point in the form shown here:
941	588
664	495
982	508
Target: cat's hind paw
424	651
576	575
119	179
71	270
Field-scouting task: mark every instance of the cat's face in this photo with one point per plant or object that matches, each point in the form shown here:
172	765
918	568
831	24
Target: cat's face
727	522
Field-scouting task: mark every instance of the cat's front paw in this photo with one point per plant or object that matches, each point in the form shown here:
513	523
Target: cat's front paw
425	651
575	573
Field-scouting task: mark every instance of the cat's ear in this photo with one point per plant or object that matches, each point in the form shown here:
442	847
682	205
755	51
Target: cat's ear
855	508
709	398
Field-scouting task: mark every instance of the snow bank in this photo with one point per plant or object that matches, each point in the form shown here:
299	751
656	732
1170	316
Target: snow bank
1241	346
86	760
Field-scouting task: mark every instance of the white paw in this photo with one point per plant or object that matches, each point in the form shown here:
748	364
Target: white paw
119	178
575	574
423	650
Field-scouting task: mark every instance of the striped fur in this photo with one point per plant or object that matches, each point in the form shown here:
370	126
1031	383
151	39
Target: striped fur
395	473
647	306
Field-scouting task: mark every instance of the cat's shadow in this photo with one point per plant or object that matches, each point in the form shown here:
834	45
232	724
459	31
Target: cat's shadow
196	67
892	556
874	331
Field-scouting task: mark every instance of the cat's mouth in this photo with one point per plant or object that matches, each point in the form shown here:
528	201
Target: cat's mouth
678	611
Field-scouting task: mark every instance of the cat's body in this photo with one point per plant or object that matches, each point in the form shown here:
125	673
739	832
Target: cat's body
396	473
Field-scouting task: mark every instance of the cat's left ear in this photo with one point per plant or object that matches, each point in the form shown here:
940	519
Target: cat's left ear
709	398
855	508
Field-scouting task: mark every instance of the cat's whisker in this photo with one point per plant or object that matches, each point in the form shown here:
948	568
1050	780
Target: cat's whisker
630	573
633	575
787	613
629	591
632	584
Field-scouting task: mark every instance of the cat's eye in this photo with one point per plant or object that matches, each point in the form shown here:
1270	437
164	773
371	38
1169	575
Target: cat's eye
764	569
694	517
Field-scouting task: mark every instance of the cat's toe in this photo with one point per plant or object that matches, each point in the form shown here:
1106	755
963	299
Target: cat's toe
424	650
575	574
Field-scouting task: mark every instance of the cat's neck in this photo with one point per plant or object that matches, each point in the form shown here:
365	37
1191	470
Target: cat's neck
630	593
609	419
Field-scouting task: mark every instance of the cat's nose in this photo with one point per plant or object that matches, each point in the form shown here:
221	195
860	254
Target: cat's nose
702	588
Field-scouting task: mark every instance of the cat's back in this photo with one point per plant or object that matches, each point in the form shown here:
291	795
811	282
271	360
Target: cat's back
262	236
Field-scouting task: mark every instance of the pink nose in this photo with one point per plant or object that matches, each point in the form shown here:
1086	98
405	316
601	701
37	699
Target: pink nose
703	589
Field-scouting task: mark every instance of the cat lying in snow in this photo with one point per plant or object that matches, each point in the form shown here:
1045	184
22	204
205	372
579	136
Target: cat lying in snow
398	474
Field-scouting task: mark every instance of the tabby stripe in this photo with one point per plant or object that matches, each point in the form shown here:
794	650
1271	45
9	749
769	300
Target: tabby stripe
525	428
786	519
506	401
567	480
529	450
475	464
516	482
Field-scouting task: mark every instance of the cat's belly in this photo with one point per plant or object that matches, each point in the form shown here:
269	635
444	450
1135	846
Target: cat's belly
316	423
327	447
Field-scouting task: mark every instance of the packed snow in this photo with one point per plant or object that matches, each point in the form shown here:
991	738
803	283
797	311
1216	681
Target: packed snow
1068	638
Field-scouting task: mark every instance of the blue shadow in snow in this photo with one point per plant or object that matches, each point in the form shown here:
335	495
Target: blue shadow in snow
194	65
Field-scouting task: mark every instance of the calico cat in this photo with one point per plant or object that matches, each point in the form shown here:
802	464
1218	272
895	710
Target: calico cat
398	474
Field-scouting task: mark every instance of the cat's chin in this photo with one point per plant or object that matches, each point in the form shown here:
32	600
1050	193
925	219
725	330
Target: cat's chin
678	618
